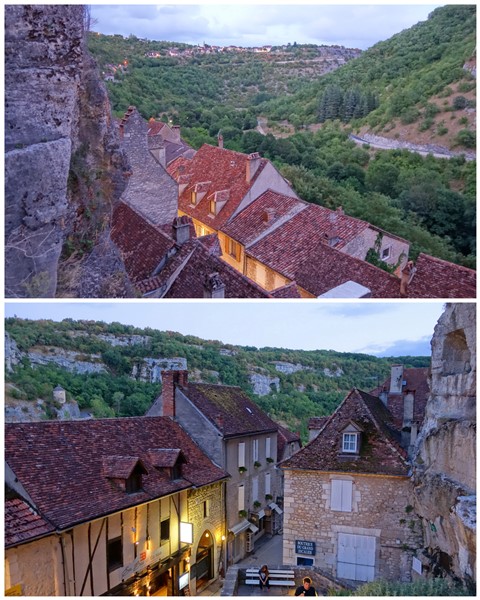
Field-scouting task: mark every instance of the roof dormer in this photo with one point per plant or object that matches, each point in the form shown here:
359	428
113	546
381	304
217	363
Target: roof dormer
350	442
198	192
125	472
218	201
168	460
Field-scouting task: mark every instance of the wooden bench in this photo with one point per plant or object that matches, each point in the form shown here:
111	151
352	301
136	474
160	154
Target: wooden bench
282	577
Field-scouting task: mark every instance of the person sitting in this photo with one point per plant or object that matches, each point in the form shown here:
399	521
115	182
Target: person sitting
306	589
264	577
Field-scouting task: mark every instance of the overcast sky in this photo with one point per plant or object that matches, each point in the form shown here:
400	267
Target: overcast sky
378	328
351	24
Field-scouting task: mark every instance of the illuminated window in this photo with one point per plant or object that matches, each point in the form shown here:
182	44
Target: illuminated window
193	198
213	207
234	249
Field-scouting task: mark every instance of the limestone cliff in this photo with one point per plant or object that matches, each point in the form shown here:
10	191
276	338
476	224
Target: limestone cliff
63	166
444	465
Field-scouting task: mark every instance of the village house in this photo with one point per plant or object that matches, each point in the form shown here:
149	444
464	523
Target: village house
110	507
242	439
166	143
347	496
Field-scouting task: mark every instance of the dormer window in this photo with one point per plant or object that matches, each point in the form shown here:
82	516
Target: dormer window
350	442
213	207
193	198
169	461
125	472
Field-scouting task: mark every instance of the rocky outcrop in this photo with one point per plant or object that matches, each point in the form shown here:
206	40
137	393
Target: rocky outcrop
124	340
289	368
70	360
444	463
264	384
150	369
63	166
13	354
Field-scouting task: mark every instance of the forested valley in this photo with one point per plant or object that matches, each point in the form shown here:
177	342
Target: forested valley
297	384
419	84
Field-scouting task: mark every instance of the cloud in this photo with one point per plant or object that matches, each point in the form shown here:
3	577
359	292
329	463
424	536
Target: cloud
419	347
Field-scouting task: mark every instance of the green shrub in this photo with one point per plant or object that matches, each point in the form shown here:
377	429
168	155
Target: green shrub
422	587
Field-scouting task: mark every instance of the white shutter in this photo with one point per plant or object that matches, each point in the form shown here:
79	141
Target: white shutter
268	483
254	488
241	454
356	557
341	495
255	450
268	448
241	497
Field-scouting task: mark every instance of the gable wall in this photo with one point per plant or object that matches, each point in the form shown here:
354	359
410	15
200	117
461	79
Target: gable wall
378	509
359	247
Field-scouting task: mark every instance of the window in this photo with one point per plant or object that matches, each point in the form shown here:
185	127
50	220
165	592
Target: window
241	454
268	488
241	497
350	442
134	483
341	495
193	198
255	450
268	447
386	253
206	509
176	472
114	554
233	249
255	488
164	531
213	207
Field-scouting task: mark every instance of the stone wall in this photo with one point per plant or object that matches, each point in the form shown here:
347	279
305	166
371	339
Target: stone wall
445	470
381	508
57	116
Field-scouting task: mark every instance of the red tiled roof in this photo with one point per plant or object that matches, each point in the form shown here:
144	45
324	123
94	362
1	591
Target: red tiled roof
287	291
229	409
225	170
316	267
267	211
437	278
23	523
380	451
60	464
141	245
317	422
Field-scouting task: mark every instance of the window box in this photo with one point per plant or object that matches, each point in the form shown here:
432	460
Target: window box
242	469
257	464
270	460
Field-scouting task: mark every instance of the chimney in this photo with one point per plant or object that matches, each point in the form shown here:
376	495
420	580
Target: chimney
253	162
213	286
220	139
170	379
408	272
176	133
396	379
181	229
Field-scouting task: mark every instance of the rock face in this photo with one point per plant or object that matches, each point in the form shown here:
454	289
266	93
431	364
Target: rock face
58	136
444	464
264	384
150	369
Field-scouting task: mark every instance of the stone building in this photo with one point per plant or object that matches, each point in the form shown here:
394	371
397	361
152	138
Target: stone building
240	437
348	497
110	507
445	459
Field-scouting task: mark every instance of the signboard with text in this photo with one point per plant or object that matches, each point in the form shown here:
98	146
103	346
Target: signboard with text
304	547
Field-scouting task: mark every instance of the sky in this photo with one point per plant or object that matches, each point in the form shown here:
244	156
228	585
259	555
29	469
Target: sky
376	328
352	25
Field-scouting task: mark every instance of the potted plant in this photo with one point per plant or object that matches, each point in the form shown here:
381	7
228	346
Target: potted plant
268	497
242	469
257	464
242	514
270	459
257	504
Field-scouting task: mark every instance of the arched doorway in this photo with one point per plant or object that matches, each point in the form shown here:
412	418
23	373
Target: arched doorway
204	560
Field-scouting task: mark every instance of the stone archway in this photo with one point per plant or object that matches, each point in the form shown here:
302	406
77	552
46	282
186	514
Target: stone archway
204	560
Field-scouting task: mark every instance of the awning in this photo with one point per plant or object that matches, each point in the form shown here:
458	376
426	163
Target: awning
261	514
275	507
243	526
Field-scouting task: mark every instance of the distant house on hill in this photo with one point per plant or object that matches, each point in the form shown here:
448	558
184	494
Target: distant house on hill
348	496
240	437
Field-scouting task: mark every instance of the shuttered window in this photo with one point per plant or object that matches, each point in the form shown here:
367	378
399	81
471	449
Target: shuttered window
254	488
241	454
341	495
255	450
268	447
241	497
268	488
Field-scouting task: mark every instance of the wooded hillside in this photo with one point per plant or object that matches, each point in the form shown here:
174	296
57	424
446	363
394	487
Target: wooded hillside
294	384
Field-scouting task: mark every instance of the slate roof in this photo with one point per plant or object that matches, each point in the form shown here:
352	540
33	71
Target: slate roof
229	409
142	245
60	464
437	278
316	267
223	170
23	523
380	451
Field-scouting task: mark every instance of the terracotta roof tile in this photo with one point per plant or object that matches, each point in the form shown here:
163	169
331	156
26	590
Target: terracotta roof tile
436	278
60	464
23	523
224	170
141	244
380	451
317	422
229	409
